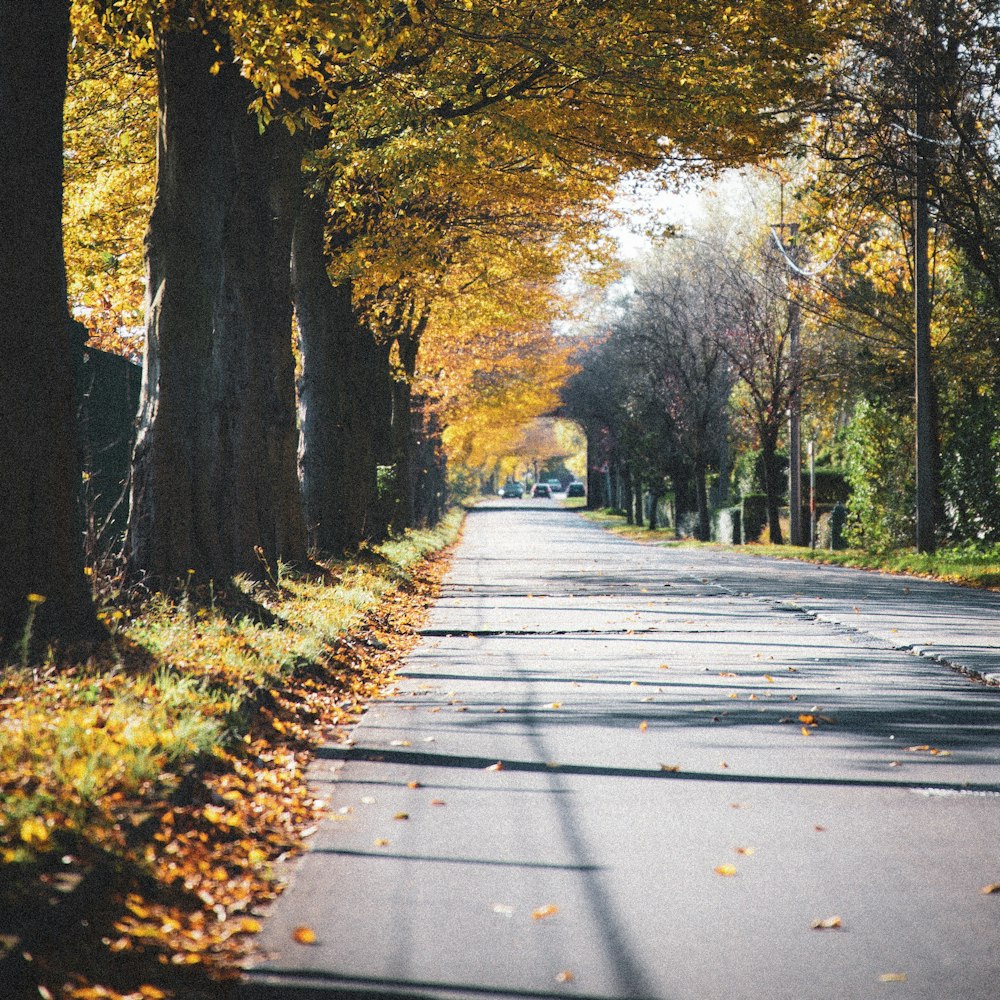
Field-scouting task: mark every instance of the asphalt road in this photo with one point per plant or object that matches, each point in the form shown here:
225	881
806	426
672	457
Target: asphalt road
702	755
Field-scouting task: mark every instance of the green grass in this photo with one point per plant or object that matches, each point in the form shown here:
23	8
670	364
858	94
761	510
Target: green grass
181	682
966	566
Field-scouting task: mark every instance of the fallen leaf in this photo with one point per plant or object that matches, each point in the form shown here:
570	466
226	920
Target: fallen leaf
746	852
826	924
892	977
806	731
673	768
414	784
664	666
726	870
989	890
400	743
503	909
554	704
304	935
438	802
643	726
807	720
769	678
565	976
401	816
381	842
723	764
819	829
549	910
498	766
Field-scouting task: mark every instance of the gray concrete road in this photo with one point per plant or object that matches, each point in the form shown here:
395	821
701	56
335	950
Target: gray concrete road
625	771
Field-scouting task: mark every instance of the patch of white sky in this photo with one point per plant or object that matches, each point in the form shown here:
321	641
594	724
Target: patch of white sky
649	211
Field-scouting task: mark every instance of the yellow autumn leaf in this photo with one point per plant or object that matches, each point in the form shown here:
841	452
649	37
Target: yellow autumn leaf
727	870
34	831
304	935
643	726
549	910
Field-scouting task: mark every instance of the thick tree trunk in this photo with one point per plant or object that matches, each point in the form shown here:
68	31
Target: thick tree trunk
429	480
772	491
701	499
341	366
404	432
41	550
215	484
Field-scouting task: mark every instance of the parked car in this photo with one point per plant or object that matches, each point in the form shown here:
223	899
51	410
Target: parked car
512	490
555	485
541	490
575	490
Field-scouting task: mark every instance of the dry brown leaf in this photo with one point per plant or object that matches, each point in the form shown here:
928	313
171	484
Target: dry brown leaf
401	816
673	768
989	890
549	910
381	842
746	852
827	923
304	935
438	802
565	976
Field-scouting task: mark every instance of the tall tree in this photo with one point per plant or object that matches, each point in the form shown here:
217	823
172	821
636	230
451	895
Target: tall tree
215	486
40	544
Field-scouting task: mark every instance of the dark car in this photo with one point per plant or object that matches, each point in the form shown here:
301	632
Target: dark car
515	490
575	490
541	490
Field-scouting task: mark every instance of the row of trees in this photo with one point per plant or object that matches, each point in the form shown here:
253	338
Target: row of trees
895	279
362	167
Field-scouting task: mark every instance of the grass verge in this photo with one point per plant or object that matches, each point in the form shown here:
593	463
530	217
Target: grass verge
965	566
147	795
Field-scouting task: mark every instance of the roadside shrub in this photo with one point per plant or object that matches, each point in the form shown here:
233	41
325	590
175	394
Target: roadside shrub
970	465
880	467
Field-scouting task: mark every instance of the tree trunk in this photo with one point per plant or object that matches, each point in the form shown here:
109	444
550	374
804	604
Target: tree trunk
340	366
215	484
701	499
768	458
403	423
41	551
629	505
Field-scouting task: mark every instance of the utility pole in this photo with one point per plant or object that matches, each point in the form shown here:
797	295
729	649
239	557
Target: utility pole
924	385
794	402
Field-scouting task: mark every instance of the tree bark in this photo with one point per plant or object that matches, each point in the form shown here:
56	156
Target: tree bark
342	371
769	462
41	551
701	499
215	484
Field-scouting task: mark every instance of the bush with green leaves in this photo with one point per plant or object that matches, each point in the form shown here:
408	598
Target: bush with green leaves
879	462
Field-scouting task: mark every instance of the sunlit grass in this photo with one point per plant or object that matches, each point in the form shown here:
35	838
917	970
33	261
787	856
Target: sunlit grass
965	565
181	684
